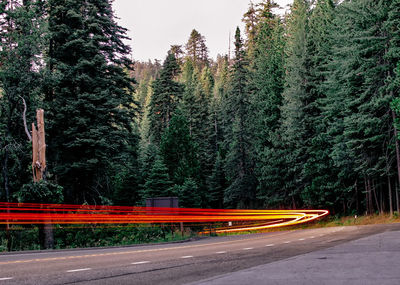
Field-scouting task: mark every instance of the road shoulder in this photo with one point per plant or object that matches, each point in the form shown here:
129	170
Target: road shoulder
370	260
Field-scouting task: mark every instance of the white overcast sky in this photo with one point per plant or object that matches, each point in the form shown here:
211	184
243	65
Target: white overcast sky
155	25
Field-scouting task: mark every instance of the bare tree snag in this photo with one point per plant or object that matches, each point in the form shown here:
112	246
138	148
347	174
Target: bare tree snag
46	235
38	147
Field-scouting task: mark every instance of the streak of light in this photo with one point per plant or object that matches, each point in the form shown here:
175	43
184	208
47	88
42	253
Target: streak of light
64	214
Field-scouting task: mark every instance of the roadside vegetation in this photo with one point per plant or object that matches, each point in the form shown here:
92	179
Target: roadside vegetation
23	238
356	220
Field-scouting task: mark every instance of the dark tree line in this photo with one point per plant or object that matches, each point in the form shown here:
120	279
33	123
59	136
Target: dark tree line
304	115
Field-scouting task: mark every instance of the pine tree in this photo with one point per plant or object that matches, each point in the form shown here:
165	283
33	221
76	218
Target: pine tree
178	150
196	49
158	184
126	179
357	106
239	166
166	94
188	194
195	106
319	173
89	97
216	181
393	53
22	24
267	82
218	104
250	19
189	101
293	130
216	184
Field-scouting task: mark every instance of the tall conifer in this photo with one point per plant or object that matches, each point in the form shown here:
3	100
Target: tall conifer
89	96
239	165
167	92
293	131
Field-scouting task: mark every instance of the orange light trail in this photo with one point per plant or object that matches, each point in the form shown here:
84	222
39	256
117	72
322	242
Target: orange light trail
29	213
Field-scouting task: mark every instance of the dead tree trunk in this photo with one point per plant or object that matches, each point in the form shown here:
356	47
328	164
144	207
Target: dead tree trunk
46	235
38	147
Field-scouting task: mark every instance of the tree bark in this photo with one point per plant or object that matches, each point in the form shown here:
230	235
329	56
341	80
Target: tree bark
24	119
357	200
397	157
397	200
46	234
366	196
372	188
370	204
38	147
390	197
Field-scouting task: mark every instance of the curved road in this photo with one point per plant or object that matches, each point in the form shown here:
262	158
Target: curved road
174	263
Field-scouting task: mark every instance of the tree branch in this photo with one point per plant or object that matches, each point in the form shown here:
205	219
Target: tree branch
24	118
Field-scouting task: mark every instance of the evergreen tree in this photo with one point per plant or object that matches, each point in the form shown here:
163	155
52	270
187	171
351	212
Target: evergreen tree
178	150
188	194
267	84
218	104
393	30
319	174
190	103
357	104
22	26
250	19
89	97
216	181
196	49
239	166
217	184
166	94
195	105
126	180
158	184
293	130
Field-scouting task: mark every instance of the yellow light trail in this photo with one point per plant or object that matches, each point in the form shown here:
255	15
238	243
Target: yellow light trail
30	213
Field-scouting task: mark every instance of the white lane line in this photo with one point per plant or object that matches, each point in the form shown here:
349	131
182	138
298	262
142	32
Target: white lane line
140	262
301	238
287	241
221	252
270	244
6	278
248	248
80	269
140	251
187	256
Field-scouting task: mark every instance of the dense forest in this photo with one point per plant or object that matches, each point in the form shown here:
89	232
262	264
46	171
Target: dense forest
301	114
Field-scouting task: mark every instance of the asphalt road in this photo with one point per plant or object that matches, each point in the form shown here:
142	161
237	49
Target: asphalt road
177	263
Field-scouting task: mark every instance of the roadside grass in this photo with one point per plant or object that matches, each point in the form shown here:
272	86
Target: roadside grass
333	221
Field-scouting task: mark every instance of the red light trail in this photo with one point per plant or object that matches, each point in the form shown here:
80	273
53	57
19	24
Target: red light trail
29	213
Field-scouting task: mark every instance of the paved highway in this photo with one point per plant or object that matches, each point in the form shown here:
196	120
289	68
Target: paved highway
175	263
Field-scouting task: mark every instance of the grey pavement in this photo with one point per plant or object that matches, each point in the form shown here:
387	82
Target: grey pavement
370	260
336	255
